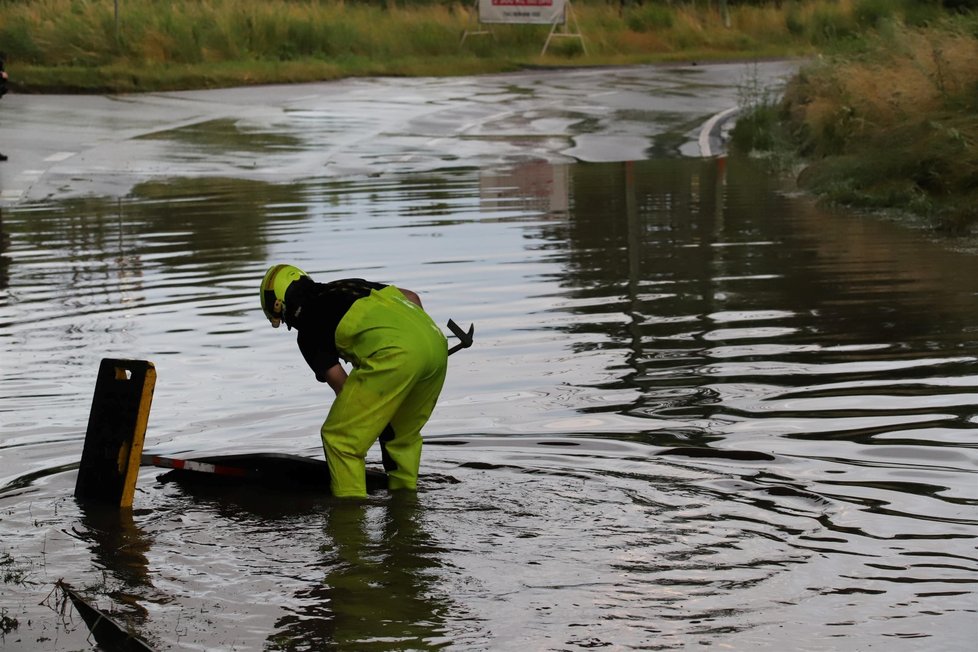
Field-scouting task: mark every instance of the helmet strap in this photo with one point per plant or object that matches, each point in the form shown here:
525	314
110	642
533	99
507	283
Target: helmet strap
274	302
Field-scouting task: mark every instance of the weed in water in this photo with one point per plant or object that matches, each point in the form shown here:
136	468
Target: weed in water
10	571
7	624
759	128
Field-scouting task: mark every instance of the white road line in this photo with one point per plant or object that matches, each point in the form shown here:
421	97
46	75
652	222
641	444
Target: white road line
704	139
59	156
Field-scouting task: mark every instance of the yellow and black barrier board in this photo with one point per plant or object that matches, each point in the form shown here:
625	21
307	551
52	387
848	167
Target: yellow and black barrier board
116	430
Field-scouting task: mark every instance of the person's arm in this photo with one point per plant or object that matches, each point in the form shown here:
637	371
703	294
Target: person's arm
336	377
411	296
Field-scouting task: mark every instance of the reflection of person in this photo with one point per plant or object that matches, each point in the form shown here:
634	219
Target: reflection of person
3	85
380	585
399	358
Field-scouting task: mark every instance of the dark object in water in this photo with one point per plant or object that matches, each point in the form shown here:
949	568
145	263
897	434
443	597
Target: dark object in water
274	470
116	428
109	634
464	338
692	451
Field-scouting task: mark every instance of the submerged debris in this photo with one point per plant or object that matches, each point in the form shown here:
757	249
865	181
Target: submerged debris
109	634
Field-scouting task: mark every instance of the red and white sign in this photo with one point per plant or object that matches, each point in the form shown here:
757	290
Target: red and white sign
546	12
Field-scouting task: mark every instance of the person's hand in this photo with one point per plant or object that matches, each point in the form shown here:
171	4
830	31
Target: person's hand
3	74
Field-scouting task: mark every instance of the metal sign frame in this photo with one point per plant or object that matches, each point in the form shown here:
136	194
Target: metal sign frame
559	14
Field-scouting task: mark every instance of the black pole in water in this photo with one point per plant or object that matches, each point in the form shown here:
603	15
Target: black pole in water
116	430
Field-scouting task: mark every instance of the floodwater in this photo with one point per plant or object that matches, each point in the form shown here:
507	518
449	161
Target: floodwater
699	412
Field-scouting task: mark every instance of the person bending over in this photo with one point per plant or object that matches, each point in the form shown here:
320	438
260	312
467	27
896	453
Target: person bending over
398	356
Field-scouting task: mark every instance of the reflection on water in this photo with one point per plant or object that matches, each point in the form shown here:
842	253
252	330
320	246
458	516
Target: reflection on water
378	590
699	411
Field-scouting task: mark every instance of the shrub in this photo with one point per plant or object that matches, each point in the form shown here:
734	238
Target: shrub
647	18
872	13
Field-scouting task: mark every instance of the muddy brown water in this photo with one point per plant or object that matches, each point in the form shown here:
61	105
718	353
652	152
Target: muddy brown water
700	412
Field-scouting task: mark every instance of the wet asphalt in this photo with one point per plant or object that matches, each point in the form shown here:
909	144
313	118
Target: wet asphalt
68	146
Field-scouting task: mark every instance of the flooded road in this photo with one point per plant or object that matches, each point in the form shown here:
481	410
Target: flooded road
699	412
63	146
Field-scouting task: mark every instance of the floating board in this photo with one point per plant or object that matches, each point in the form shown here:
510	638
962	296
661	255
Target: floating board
274	470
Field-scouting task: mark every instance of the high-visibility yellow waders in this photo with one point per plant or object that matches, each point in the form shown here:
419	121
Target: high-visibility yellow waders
400	358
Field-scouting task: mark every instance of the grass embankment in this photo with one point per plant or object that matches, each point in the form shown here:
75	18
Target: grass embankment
78	45
888	120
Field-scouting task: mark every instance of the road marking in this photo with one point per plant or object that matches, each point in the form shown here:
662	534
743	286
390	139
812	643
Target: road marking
704	139
60	156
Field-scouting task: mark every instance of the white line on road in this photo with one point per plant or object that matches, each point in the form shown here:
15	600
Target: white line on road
704	140
59	156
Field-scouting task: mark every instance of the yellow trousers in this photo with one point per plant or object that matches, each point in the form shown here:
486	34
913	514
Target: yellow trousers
399	358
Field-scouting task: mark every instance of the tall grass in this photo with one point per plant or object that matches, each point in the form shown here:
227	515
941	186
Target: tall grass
896	124
83	32
78	44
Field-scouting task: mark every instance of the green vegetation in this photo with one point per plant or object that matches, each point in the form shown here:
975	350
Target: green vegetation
888	119
80	45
